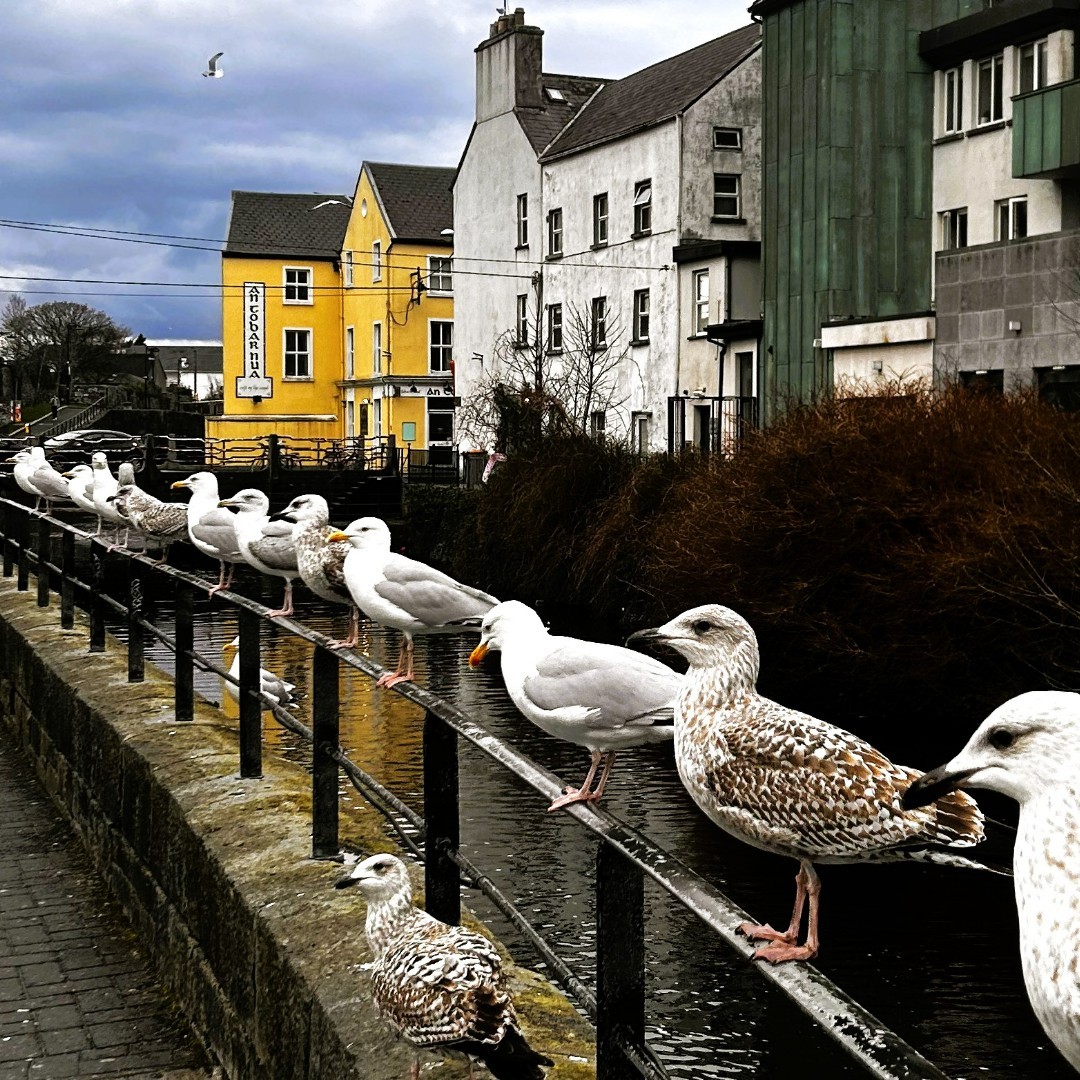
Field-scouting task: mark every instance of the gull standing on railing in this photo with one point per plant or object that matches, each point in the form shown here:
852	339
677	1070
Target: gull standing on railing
37	477
80	481
211	529
599	696
404	593
163	522
105	484
266	545
788	783
321	561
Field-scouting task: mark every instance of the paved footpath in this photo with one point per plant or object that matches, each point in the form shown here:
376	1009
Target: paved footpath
77	995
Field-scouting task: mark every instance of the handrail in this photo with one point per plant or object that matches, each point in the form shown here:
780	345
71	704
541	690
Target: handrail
625	858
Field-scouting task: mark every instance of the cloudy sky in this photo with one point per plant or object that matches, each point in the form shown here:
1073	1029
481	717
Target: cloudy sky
106	124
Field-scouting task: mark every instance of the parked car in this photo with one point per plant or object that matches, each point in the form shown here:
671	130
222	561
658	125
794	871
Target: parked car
91	437
73	447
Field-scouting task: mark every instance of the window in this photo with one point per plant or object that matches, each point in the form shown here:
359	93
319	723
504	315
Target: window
727	138
953	229
554	223
952	100
297	354
639	432
554	93
440	344
1011	218
523	221
376	348
597	423
988	106
376	417
348	265
599	219
440	274
642	207
599	322
701	301
297	285
440	423
554	327
641	315
725	195
521	322
376	260
1031	74
350	353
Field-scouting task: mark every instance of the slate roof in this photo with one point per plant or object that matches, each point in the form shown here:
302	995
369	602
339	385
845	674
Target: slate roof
542	125
656	93
418	200
265	223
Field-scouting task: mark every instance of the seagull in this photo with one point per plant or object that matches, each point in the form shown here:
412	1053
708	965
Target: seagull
404	593
80	485
105	484
269	683
438	985
213	71
37	477
1029	749
321	563
267	545
789	783
603	697
210	529
163	522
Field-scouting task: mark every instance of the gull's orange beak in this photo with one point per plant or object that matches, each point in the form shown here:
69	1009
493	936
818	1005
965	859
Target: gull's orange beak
337	534
478	654
178	484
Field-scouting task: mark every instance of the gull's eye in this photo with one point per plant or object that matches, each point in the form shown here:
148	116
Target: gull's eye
1001	738
701	627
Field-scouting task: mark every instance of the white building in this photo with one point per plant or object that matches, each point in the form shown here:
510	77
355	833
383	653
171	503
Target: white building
614	226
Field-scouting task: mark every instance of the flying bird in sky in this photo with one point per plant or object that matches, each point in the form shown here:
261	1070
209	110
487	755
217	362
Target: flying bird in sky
213	71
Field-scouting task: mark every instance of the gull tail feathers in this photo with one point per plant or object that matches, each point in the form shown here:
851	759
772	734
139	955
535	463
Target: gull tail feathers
512	1058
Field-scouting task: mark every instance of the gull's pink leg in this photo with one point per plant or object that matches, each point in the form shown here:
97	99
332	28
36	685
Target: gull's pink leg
286	607
581	794
780	952
354	631
791	934
221	582
405	660
609	761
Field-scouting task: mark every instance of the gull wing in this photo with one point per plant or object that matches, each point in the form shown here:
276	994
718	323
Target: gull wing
429	595
216	529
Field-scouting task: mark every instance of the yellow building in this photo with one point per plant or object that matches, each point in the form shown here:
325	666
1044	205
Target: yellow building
398	308
282	317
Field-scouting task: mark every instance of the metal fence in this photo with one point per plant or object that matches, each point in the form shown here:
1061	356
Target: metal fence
625	857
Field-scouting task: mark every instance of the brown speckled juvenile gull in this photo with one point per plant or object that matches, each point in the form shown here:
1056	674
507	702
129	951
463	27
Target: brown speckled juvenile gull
1029	749
789	783
440	986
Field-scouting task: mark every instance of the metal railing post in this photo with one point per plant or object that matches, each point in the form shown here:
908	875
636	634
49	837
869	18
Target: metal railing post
9	541
22	562
184	634
326	741
441	821
620	963
67	580
136	640
44	534
97	601
250	705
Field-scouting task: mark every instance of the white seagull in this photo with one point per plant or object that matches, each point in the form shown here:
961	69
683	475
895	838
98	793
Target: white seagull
404	593
266	545
269	683
599	696
320	561
80	488
440	986
1029	749
211	529
38	478
105	485
788	783
212	69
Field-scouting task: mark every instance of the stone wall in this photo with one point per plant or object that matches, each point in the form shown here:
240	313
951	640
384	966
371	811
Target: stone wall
247	933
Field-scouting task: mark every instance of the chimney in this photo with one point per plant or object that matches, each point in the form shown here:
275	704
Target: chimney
508	67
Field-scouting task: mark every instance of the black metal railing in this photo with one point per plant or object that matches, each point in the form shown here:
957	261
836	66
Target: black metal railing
625	856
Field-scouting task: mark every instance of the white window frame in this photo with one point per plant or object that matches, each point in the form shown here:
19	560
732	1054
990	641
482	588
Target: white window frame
440	349
376	260
736	194
597	423
732	135
554	328
643	208
376	348
440	275
1039	52
521	321
639	432
350	352
601	209
642	306
1007	213
700	320
952	101
300	289
995	109
348	269
555	233
523	220
297	352
376	417
953	228
598	323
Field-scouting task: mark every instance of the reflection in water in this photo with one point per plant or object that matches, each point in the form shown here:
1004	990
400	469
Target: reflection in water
930	951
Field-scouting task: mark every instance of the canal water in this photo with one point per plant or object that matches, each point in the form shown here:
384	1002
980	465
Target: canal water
932	952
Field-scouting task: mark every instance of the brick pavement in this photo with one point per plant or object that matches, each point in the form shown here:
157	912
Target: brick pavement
77	994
